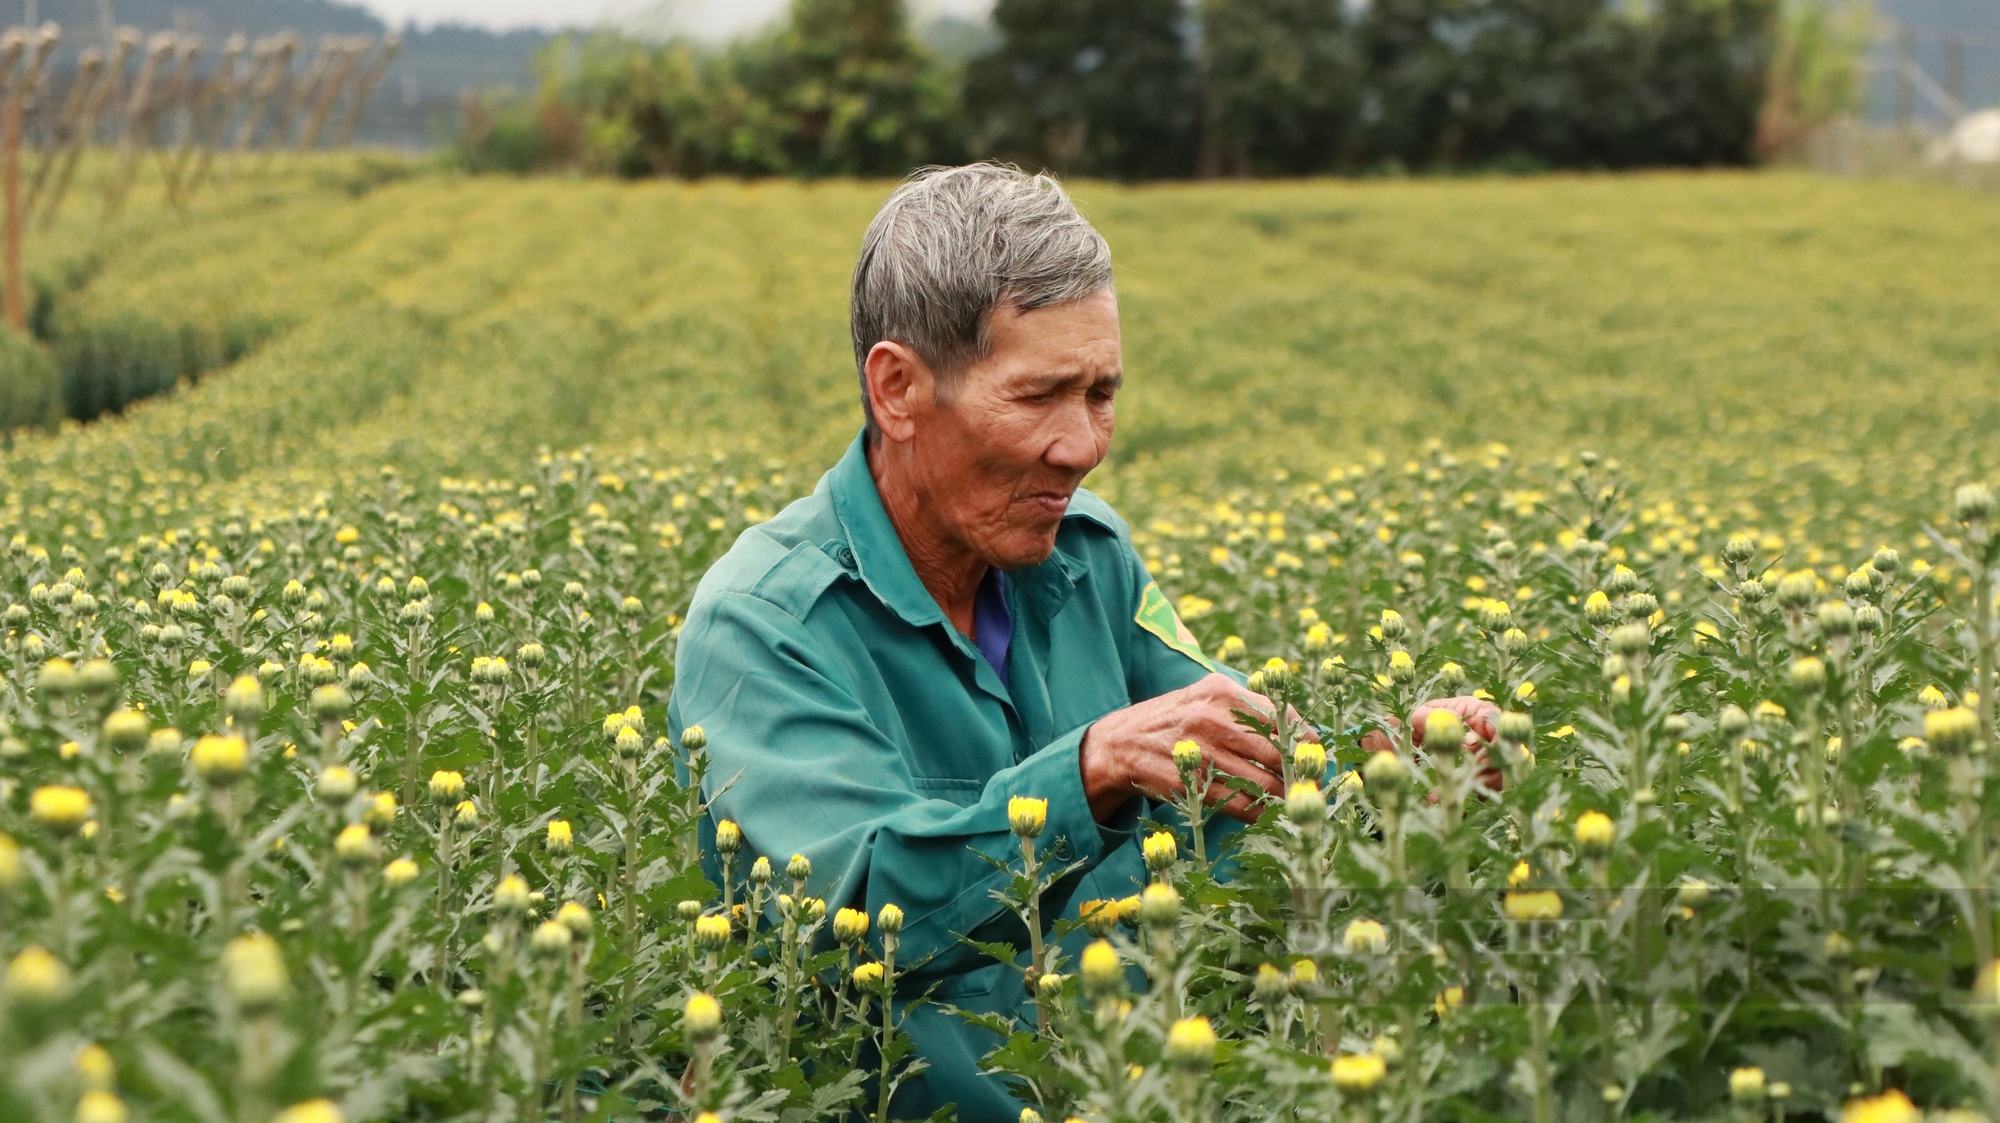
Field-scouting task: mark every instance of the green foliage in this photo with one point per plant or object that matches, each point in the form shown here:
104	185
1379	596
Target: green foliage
30	384
1090	87
1282	86
841	88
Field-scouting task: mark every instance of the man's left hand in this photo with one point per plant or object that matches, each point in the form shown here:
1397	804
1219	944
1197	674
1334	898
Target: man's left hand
1479	716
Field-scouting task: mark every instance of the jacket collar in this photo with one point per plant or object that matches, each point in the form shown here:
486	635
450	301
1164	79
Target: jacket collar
885	567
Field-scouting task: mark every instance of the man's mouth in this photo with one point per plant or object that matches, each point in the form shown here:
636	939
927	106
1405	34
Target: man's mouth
1052	504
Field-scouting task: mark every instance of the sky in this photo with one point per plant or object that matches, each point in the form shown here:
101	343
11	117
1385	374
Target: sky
708	18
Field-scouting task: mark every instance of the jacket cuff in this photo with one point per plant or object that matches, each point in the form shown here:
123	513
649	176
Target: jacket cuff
1055	773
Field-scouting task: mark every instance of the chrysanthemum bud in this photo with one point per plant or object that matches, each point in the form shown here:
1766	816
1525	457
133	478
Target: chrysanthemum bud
1187	756
711	932
1356	1073
1836	620
1691	893
799	868
1739	549
1951	731
1394	627
253	973
355	845
1402	669
694	738
629	744
447	787
1972	503
60	809
760	871
1540	904
701	1018
1797	590
1102	969
400	872
1160	851
1364	937
530	655
1305	806
558	840
1443	731
868	977
850	926
127	730
1632	640
1808	675
1191	1045
1746	1084
551	940
510	897
1309	760
314	1111
1385	774
1159	905
1732	721
1027	816
36	978
331	703
466	814
380	811
889	919
221	762
1271	984
1594	834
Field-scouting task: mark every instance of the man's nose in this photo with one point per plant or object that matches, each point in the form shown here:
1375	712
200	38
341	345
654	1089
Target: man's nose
1077	440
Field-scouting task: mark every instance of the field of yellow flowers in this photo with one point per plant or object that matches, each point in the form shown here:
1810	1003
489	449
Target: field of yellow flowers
333	776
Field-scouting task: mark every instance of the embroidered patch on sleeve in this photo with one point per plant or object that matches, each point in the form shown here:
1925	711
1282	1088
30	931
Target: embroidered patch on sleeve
1156	614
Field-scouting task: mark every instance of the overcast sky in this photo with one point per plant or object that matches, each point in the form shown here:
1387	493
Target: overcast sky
713	18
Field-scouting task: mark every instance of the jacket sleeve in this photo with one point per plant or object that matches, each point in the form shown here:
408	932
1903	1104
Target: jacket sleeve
797	762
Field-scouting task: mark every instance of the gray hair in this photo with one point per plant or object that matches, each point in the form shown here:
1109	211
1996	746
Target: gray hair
950	247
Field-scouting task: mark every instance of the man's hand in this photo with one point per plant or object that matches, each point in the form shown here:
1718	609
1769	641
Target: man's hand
1131	750
1478	715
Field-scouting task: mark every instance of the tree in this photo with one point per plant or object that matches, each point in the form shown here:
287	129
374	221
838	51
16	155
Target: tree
1280	83
1090	87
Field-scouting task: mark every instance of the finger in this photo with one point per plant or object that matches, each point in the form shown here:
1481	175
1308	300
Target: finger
1230	764
1417	722
1306	732
1252	750
1478	713
1376	741
1242	810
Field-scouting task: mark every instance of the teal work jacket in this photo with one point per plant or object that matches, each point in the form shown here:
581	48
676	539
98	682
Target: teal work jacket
849	721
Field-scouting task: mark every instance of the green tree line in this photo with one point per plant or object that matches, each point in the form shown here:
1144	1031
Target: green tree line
1142	89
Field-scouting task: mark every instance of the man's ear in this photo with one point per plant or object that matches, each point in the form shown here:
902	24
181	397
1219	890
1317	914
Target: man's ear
900	389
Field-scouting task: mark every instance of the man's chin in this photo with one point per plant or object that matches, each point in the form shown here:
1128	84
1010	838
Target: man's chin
1022	551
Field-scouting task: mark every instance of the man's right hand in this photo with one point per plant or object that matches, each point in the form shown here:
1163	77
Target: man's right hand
1131	751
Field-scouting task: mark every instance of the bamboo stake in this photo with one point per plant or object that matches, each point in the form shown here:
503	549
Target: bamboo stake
277	53
392	44
207	96
112	77
232	92
295	100
75	107
345	56
135	134
13	298
186	49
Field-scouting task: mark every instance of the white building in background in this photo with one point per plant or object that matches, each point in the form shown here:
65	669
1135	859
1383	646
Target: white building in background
1974	140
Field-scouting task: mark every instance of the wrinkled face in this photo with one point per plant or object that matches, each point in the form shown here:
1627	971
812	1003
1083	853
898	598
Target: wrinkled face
1005	450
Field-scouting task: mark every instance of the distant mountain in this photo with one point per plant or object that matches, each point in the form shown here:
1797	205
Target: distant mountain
416	105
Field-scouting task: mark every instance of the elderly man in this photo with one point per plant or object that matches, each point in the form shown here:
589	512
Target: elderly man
949	620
